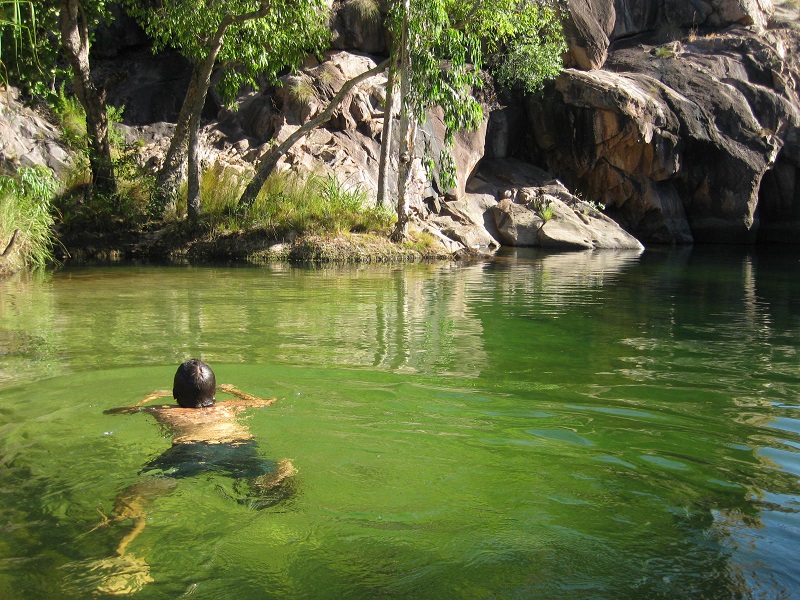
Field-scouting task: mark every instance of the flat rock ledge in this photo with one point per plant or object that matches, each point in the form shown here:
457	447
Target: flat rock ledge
520	205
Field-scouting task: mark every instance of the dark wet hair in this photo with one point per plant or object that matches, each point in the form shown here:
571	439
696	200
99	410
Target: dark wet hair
195	385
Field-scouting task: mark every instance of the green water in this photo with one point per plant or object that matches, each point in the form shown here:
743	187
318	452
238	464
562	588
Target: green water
594	425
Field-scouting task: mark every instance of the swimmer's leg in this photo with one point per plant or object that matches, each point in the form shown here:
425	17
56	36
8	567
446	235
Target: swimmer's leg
273	487
125	573
131	504
283	470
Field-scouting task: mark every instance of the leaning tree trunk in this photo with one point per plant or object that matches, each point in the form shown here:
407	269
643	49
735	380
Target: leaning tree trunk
173	170
405	132
75	43
193	183
184	144
202	82
386	139
271	158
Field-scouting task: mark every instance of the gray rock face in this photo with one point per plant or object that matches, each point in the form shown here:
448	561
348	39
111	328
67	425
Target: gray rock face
676	139
592	25
636	17
27	140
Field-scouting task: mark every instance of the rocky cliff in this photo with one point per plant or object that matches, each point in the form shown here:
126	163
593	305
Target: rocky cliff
681	117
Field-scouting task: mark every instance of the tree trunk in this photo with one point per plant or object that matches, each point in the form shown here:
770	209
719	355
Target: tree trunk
173	171
183	146
193	188
405	132
14	241
271	158
203	83
386	139
75	43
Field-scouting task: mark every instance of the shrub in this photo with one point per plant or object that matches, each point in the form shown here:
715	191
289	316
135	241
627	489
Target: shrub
25	204
288	203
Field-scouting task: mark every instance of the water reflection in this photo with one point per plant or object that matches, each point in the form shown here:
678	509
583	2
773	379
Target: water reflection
411	319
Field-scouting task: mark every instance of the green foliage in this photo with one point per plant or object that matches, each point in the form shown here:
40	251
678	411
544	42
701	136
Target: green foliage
30	43
19	44
447	40
256	48
25	204
71	119
532	52
445	62
289	203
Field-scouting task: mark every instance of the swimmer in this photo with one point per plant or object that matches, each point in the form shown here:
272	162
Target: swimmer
207	436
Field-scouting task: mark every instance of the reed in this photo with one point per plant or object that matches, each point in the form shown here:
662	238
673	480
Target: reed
290	203
26	205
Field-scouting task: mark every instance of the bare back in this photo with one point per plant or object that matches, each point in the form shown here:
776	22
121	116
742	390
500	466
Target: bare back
216	424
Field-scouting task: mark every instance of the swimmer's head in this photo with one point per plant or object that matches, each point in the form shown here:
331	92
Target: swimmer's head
195	385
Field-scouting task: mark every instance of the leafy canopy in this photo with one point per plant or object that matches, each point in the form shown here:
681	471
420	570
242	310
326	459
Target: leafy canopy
30	42
25	47
447	41
529	51
258	47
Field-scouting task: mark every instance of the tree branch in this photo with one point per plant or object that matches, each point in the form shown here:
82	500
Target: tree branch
271	158
14	241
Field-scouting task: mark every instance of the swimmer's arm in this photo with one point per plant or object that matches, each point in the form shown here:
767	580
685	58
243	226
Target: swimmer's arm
126	410
244	399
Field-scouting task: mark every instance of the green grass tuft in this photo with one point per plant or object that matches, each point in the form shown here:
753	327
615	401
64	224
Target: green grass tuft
547	213
301	91
289	204
26	204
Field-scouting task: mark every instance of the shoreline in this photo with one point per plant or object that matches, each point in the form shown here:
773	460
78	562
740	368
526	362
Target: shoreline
173	244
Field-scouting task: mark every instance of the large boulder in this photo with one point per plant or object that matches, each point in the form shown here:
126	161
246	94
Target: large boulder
587	27
675	139
532	209
591	26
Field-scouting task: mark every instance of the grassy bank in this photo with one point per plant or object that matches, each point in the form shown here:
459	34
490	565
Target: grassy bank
295	218
26	220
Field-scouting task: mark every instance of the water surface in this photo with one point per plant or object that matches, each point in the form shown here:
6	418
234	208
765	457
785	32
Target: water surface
580	425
